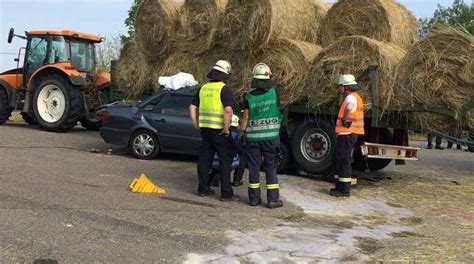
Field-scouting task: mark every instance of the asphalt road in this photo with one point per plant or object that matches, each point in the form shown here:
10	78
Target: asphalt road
60	201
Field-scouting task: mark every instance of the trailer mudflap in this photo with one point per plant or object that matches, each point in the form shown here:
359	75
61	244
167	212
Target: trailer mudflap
382	151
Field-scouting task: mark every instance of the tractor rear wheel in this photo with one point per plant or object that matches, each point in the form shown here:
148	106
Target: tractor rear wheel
57	104
5	109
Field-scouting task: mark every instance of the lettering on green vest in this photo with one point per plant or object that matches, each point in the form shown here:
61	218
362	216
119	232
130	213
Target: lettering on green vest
264	116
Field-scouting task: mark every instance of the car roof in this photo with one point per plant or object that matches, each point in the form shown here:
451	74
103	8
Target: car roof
189	90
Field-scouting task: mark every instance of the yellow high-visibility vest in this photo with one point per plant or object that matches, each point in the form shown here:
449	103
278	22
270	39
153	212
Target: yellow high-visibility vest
211	109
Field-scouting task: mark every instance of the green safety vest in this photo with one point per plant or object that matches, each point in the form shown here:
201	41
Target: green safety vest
211	109
264	116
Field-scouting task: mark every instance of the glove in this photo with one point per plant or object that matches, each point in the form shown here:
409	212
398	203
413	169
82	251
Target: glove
346	123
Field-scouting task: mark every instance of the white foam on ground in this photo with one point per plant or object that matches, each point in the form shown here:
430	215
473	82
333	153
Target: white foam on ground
323	243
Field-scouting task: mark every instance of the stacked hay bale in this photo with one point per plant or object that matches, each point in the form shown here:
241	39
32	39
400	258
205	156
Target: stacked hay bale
383	20
201	18
438	71
132	72
156	25
290	63
353	55
249	25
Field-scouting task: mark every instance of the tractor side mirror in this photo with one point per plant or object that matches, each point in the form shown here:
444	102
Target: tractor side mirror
16	60
11	34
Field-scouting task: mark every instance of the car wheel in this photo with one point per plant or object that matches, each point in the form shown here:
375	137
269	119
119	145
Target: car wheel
144	145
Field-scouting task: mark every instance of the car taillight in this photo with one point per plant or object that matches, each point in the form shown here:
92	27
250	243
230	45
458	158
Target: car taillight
105	117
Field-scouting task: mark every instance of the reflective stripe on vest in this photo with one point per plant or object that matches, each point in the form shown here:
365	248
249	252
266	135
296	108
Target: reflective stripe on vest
264	116
211	109
357	118
345	180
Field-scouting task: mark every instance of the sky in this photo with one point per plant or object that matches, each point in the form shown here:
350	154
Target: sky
102	17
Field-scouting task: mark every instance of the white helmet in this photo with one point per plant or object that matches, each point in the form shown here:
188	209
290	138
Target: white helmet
346	80
261	71
235	121
222	66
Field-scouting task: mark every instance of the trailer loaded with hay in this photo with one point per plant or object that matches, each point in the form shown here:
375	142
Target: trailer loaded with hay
407	85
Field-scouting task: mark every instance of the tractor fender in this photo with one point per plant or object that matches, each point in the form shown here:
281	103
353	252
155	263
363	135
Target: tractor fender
9	89
65	69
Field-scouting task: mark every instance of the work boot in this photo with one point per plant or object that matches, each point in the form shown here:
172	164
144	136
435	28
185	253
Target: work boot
233	198
439	147
237	183
338	193
208	193
255	203
430	146
342	189
275	204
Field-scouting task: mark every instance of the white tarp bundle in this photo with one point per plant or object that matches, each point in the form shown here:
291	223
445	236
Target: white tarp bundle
177	81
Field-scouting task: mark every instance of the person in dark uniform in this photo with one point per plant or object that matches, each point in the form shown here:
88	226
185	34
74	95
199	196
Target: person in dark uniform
349	124
437	143
214	103
261	121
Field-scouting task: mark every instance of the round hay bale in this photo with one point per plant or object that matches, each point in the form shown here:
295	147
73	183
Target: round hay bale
438	71
156	25
177	62
249	25
201	20
319	11
239	62
383	20
289	61
353	55
133	73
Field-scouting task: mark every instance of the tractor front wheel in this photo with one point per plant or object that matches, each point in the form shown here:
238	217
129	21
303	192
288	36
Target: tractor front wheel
57	104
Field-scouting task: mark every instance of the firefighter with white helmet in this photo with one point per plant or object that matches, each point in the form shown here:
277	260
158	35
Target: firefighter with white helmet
214	102
261	123
349	124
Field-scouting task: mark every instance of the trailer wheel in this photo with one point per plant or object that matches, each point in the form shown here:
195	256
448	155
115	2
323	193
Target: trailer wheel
29	118
284	157
312	145
5	109
361	164
56	103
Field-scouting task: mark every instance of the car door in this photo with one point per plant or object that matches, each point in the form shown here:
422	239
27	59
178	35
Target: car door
174	126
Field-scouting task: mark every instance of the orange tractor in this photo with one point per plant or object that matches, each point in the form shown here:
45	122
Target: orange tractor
59	83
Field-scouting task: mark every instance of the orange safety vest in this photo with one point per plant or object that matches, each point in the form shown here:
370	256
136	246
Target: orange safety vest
357	118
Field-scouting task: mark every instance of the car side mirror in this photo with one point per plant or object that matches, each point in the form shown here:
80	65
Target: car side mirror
148	107
16	60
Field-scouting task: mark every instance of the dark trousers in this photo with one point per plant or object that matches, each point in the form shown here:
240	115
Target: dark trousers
269	151
430	140
213	142
239	171
342	159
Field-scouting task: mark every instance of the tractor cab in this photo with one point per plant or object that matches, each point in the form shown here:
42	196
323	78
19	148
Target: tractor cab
68	49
